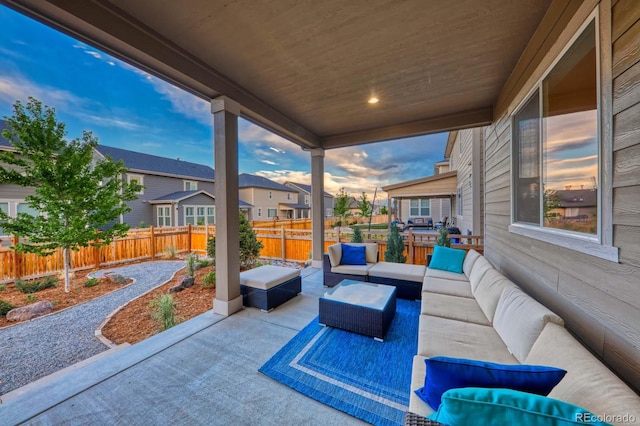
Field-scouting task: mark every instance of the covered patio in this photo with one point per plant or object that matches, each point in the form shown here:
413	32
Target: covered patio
335	74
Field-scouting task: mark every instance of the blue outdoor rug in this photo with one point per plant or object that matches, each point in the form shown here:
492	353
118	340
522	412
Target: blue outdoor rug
365	378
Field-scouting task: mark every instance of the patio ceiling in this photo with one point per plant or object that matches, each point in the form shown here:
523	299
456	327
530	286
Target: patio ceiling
305	69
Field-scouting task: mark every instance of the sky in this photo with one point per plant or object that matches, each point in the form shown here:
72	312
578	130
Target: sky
128	108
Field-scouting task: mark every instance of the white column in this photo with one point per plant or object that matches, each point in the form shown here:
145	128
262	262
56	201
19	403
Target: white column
317	206
225	144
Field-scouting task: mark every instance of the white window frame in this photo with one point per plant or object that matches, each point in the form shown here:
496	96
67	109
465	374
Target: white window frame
270	194
271	213
139	179
420	207
288	195
599	245
329	212
307	199
199	211
459	207
259	211
160	209
190	182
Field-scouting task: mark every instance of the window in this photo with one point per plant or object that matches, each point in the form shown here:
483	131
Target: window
139	179
24	208
329	212
190	185
556	145
4	207
459	201
199	215
288	195
259	212
419	207
164	216
307	199
270	195
271	213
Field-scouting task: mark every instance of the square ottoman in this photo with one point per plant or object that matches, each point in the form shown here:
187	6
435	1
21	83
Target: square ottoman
267	287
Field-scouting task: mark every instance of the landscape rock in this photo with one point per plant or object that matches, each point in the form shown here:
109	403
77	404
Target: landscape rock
116	278
185	282
29	312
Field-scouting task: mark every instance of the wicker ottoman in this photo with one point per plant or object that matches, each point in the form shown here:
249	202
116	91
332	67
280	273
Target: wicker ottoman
359	307
268	287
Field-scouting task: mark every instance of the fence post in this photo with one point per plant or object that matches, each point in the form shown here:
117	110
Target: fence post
189	238
96	253
283	244
152	243
17	259
411	260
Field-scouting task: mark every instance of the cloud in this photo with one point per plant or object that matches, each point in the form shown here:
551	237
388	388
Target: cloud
93	53
271	163
183	102
17	87
107	121
279	151
151	145
113	64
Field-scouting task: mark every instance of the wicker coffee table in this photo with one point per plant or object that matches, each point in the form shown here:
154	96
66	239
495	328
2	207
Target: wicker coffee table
360	307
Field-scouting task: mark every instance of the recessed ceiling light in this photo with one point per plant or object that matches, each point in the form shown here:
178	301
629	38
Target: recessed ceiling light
373	100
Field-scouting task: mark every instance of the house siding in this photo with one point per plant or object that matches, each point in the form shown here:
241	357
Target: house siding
598	299
156	187
259	198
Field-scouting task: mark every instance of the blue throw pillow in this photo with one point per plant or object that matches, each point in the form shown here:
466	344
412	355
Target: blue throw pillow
353	255
447	259
444	373
481	406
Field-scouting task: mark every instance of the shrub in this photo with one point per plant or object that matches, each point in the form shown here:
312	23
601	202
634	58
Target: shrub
357	235
443	238
249	245
209	280
5	307
91	282
170	252
163	311
3	287
28	287
31	298
211	249
191	264
202	263
395	247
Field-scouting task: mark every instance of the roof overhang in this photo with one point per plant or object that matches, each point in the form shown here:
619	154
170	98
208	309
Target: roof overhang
306	70
442	185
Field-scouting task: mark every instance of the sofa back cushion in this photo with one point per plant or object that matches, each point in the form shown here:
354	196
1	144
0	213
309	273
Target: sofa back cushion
371	251
519	320
588	382
479	268
469	261
447	259
489	290
353	255
335	254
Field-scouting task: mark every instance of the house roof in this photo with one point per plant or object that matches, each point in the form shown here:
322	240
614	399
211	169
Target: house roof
245	204
436	66
246	180
420	180
137	161
577	198
305	188
180	196
295	206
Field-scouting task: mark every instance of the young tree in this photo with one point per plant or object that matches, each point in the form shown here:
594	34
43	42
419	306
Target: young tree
384	210
395	247
365	206
73	194
250	246
341	207
357	235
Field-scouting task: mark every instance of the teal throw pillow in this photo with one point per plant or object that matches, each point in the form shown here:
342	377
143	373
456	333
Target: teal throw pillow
444	373
353	255
447	259
482	406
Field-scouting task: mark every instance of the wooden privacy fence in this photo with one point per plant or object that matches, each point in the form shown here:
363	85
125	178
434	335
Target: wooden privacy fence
306	223
150	243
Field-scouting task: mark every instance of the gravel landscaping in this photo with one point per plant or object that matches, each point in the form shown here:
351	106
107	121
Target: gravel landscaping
37	348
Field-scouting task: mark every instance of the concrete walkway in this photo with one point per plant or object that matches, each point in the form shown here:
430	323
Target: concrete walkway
203	371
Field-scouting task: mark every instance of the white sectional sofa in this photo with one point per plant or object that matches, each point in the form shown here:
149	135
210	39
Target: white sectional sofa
482	315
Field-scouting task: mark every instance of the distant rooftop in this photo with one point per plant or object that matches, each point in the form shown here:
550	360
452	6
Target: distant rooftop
246	180
305	188
152	163
3	141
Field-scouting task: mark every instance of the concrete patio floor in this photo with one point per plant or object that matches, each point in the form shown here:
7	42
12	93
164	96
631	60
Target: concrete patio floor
204	371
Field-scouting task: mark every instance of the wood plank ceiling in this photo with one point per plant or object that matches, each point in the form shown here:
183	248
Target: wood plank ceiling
305	69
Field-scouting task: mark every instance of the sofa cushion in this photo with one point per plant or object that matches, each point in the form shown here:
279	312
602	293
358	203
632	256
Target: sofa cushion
519	320
398	271
447	275
335	254
444	286
371	250
353	255
453	307
588	382
470	405
267	276
447	259
479	268
489	290
444	373
469	261
446	337
352	269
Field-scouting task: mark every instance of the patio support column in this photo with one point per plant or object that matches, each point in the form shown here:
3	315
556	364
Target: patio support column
225	144
317	206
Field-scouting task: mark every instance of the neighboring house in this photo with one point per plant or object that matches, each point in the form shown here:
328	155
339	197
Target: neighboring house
269	199
304	197
175	193
571	205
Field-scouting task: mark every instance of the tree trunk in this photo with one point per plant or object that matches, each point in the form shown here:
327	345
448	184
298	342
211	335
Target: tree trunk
67	284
